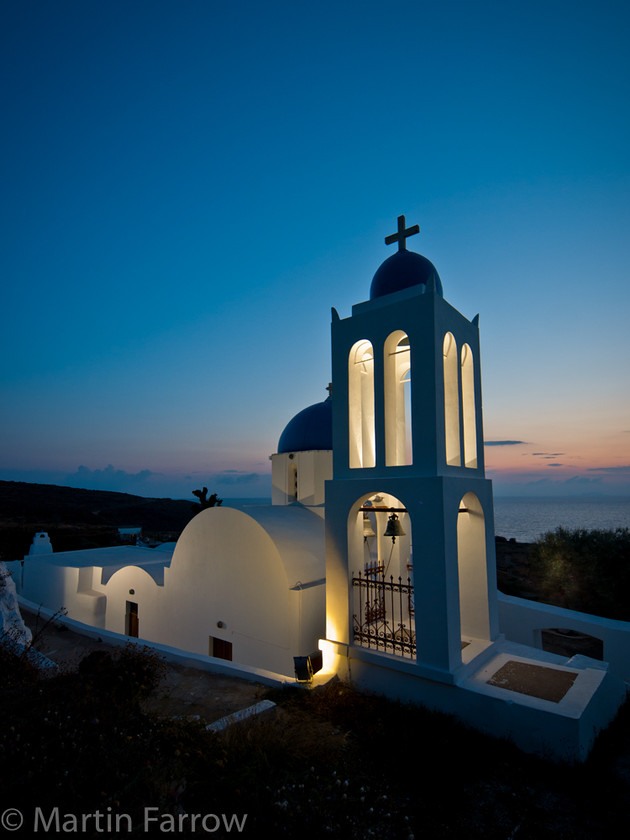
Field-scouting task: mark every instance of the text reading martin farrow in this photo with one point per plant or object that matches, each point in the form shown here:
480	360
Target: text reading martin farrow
108	821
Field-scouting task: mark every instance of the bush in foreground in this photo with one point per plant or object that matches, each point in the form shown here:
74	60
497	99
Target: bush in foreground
585	570
330	762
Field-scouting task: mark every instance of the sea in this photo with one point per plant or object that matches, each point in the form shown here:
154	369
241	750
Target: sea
526	518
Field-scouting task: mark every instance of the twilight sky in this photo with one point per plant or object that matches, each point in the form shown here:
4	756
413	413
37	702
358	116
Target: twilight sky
189	186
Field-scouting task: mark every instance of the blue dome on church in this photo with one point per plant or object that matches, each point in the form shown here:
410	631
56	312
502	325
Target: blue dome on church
402	270
308	430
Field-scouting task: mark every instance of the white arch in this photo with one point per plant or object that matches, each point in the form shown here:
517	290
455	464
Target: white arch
468	407
362	450
397	367
474	605
451	401
382	617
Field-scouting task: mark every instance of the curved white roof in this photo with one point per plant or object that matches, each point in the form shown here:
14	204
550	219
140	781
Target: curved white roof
298	534
295	531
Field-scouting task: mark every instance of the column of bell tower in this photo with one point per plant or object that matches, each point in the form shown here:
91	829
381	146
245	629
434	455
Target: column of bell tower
407	330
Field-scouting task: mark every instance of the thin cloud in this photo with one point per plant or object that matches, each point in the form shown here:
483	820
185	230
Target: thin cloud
148	483
623	470
107	478
547	454
503	442
233	477
576	480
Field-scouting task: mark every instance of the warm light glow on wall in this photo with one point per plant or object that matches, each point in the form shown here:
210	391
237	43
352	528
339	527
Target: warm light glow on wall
329	655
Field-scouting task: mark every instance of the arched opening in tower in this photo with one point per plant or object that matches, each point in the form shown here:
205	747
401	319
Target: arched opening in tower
381	566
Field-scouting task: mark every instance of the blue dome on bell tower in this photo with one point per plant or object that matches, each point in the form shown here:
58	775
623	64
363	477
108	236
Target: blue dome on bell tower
402	270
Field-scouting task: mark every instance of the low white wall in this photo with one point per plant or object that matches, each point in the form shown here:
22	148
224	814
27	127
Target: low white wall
170	654
560	732
522	620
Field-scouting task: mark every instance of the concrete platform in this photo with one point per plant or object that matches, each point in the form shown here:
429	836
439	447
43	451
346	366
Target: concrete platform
542	702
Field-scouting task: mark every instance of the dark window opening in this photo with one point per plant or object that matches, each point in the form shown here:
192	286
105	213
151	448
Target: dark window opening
220	649
569	643
131	620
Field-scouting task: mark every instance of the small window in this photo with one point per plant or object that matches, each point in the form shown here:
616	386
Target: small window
292	482
566	642
220	649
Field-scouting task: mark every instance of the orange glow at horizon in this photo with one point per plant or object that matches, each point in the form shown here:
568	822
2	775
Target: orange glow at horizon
603	457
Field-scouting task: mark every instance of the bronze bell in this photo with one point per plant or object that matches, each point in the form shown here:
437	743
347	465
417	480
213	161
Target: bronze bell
394	528
368	531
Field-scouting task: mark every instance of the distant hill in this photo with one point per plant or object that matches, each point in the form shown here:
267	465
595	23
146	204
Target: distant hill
77	519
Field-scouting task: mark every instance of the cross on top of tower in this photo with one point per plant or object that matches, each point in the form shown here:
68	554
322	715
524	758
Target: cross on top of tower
401	235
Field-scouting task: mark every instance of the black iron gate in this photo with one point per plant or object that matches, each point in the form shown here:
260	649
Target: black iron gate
383	611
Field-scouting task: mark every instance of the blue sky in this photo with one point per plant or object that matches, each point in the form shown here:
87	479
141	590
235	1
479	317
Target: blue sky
188	187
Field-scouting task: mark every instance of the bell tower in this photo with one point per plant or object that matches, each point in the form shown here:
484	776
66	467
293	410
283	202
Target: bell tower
411	579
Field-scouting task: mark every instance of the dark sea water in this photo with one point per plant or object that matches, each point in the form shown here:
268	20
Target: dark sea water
526	518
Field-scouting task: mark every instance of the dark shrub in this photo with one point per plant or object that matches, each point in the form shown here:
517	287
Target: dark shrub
585	570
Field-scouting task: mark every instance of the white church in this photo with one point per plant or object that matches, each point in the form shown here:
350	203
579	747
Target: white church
376	558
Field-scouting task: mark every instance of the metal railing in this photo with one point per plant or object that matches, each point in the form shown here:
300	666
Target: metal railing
383	610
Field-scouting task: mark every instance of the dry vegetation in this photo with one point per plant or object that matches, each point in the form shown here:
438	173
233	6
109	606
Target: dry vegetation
329	762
